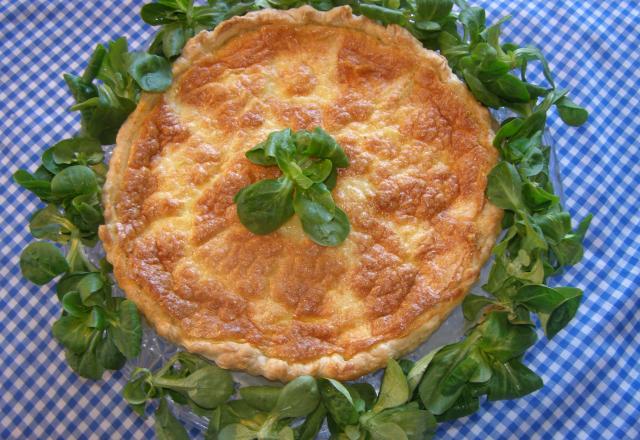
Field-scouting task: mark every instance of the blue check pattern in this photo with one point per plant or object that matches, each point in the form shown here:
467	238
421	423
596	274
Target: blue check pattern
591	373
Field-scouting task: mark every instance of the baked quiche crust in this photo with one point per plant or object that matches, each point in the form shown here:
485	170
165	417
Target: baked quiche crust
279	305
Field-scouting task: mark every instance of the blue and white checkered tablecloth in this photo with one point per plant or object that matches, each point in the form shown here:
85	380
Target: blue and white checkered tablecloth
591	370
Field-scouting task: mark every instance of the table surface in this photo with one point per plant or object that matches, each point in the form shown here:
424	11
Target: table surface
590	370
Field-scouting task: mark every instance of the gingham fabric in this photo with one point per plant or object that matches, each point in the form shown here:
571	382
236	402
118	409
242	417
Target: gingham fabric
590	370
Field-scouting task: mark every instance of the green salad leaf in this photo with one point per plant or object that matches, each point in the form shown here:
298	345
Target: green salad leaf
109	89
265	205
262	398
394	390
167	427
41	262
151	72
98	331
186	378
308	161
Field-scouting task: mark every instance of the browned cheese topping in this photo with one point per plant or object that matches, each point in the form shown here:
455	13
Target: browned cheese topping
420	151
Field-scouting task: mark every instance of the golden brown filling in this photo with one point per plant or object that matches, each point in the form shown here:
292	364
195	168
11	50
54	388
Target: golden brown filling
414	192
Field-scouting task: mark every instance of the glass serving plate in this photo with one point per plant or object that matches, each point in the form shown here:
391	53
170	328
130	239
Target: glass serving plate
156	350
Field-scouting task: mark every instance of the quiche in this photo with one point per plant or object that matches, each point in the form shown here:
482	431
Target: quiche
279	305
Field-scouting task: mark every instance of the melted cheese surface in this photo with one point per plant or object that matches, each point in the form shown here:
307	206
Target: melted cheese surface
420	151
